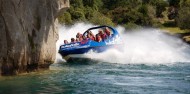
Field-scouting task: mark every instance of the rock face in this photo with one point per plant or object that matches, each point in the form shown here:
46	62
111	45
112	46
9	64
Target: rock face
28	34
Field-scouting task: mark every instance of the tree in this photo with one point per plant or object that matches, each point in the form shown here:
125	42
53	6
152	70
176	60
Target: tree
78	14
101	19
174	3
65	18
173	9
89	12
183	20
76	3
95	4
148	14
123	12
160	6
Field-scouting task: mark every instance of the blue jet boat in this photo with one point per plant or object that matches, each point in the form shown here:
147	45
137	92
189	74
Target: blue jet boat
78	49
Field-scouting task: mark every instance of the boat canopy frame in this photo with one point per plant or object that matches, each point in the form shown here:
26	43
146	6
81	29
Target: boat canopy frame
103	26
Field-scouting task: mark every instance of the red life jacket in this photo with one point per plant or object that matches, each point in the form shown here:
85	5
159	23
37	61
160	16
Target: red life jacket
103	36
108	33
92	37
98	39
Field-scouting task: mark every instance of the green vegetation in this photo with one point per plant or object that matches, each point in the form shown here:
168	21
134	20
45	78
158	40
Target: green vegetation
65	18
167	14
183	20
174	30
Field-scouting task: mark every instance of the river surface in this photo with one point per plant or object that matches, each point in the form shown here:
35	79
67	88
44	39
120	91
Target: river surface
102	77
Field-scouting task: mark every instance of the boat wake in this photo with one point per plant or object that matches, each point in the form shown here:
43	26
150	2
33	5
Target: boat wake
150	46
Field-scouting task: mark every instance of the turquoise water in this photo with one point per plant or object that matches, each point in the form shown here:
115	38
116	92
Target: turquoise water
102	77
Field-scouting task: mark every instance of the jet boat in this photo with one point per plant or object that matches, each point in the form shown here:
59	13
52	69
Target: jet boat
79	49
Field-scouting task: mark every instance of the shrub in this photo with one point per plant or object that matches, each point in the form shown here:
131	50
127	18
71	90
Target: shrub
183	20
65	18
100	19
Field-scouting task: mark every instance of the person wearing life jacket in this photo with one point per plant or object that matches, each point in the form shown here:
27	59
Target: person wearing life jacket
84	37
79	36
90	36
73	40
102	35
98	38
66	42
107	31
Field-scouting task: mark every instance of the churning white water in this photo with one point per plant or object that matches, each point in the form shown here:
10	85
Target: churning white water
148	45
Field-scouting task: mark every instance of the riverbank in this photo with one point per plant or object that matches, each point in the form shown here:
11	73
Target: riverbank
176	31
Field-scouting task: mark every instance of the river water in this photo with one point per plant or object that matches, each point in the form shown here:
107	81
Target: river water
102	77
151	63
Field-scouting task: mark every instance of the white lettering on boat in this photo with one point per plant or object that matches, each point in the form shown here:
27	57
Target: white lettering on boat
70	45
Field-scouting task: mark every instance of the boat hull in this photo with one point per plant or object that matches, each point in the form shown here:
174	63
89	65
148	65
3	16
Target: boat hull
79	53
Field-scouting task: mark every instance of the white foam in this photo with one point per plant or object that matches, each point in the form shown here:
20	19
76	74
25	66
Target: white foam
149	45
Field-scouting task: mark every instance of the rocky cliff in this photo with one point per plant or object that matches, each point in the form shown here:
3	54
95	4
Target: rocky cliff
28	34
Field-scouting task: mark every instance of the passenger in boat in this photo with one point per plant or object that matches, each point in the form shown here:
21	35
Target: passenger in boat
84	37
103	35
79	36
73	40
66	42
107	31
90	37
77	40
98	38
80	39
